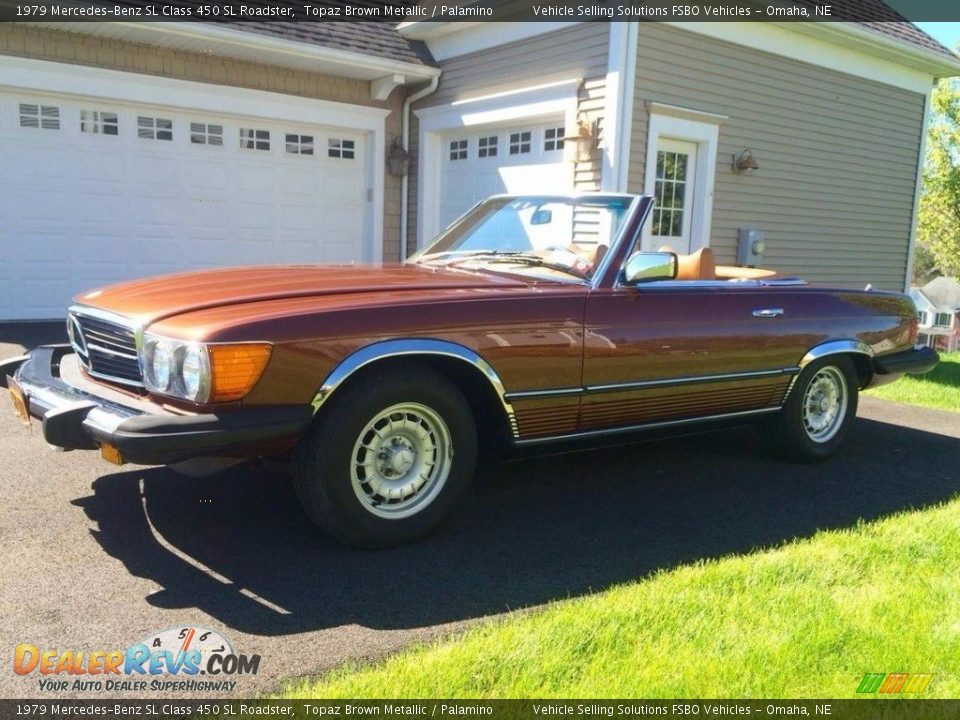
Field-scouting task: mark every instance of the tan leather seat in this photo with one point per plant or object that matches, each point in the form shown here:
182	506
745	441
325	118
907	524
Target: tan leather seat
696	266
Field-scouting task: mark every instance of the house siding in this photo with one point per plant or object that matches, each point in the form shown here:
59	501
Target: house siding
579	52
66	47
838	155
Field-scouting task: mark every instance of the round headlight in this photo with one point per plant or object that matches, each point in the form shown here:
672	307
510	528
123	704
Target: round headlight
193	371
162	363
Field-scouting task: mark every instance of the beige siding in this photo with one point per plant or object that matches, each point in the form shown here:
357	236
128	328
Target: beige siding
58	46
579	52
838	155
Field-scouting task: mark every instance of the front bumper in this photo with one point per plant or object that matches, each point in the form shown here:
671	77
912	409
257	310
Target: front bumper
917	360
77	418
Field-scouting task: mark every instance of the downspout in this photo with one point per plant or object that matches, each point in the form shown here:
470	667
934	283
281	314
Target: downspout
405	135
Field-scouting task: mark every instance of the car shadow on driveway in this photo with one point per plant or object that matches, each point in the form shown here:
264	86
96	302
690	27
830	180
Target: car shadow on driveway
237	546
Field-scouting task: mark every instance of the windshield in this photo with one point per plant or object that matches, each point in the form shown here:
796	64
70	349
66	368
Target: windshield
559	235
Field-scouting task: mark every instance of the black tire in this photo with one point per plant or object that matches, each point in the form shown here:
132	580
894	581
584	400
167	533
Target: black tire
792	433
344	496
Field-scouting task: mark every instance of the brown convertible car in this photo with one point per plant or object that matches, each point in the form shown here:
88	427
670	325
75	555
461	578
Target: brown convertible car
529	320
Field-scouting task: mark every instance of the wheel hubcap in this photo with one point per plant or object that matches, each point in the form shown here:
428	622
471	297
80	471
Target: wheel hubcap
401	460
825	404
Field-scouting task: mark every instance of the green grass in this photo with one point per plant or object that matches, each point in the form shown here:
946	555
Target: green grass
939	388
807	619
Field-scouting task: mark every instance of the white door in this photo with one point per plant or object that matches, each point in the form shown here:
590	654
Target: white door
96	192
523	158
673	194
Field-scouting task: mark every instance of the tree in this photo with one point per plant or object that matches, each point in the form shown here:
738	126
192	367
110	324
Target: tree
938	223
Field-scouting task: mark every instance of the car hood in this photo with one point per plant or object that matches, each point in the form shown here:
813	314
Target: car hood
147	301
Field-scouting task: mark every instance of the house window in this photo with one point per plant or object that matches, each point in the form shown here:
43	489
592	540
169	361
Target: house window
99	122
45	117
488	146
206	134
337	148
670	193
253	139
922	317
943	320
519	143
151	128
553	139
458	149
299	144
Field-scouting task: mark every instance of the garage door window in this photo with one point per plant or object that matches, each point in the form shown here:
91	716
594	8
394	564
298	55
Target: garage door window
205	134
253	139
44	117
488	146
553	139
344	149
519	143
458	150
151	128
299	144
98	122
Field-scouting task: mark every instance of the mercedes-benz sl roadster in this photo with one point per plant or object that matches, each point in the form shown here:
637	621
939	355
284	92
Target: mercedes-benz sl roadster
529	320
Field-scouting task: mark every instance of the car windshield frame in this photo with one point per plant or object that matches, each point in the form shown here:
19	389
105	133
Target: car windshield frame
442	251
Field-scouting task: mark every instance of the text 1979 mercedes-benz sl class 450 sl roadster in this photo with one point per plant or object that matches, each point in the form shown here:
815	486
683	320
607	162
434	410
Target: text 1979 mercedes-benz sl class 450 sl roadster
529	320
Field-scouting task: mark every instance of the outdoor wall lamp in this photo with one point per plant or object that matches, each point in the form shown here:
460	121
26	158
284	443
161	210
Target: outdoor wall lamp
398	159
585	140
745	163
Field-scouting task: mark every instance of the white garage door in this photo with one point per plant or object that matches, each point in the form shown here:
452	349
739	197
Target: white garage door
95	192
522	158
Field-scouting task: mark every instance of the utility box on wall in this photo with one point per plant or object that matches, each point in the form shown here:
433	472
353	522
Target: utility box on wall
750	247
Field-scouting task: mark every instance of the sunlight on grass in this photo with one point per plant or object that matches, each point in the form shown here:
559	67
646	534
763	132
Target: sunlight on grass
939	388
804	620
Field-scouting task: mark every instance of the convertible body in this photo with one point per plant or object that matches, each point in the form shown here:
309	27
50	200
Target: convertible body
618	340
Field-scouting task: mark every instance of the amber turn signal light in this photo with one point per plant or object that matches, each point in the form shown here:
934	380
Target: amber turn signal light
235	369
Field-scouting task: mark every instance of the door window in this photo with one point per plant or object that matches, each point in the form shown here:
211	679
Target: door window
673	194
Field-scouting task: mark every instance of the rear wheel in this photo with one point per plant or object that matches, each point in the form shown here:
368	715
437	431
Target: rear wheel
818	413
388	458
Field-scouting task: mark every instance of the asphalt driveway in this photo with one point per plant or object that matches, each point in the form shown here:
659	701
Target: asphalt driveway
96	557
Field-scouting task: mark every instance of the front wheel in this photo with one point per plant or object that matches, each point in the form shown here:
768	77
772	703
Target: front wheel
817	414
388	458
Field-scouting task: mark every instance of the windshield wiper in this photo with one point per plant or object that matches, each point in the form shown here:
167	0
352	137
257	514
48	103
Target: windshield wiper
522	258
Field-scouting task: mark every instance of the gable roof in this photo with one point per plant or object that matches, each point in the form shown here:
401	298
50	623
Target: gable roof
943	293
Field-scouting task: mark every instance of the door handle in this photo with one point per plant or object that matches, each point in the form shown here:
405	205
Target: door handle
768	312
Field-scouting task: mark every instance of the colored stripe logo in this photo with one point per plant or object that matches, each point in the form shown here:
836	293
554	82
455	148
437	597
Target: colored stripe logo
895	683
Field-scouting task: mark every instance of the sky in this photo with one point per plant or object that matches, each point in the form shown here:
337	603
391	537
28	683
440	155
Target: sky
948	33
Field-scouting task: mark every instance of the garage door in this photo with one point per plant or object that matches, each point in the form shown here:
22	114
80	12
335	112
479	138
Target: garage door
96	192
523	158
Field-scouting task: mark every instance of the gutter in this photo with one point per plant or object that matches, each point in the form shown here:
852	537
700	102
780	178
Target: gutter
405	136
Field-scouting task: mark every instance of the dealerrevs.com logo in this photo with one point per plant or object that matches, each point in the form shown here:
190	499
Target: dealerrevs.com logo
178	659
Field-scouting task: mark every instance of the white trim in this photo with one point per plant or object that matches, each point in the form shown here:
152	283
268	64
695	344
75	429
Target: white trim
682	113
541	102
813	43
617	113
76	81
706	136
917	189
451	39
257	47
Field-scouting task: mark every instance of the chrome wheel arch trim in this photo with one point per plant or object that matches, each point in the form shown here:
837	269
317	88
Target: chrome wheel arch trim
386	349
831	347
835	347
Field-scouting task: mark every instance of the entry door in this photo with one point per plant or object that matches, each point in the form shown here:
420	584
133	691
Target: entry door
673	194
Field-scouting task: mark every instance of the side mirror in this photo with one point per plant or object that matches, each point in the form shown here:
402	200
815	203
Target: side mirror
648	266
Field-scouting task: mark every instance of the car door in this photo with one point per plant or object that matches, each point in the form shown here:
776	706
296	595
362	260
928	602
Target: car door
672	351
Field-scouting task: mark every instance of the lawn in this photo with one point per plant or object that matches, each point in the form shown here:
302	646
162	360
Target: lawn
806	619
939	388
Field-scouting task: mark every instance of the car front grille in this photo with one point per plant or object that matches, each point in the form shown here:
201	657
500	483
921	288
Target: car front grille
107	349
